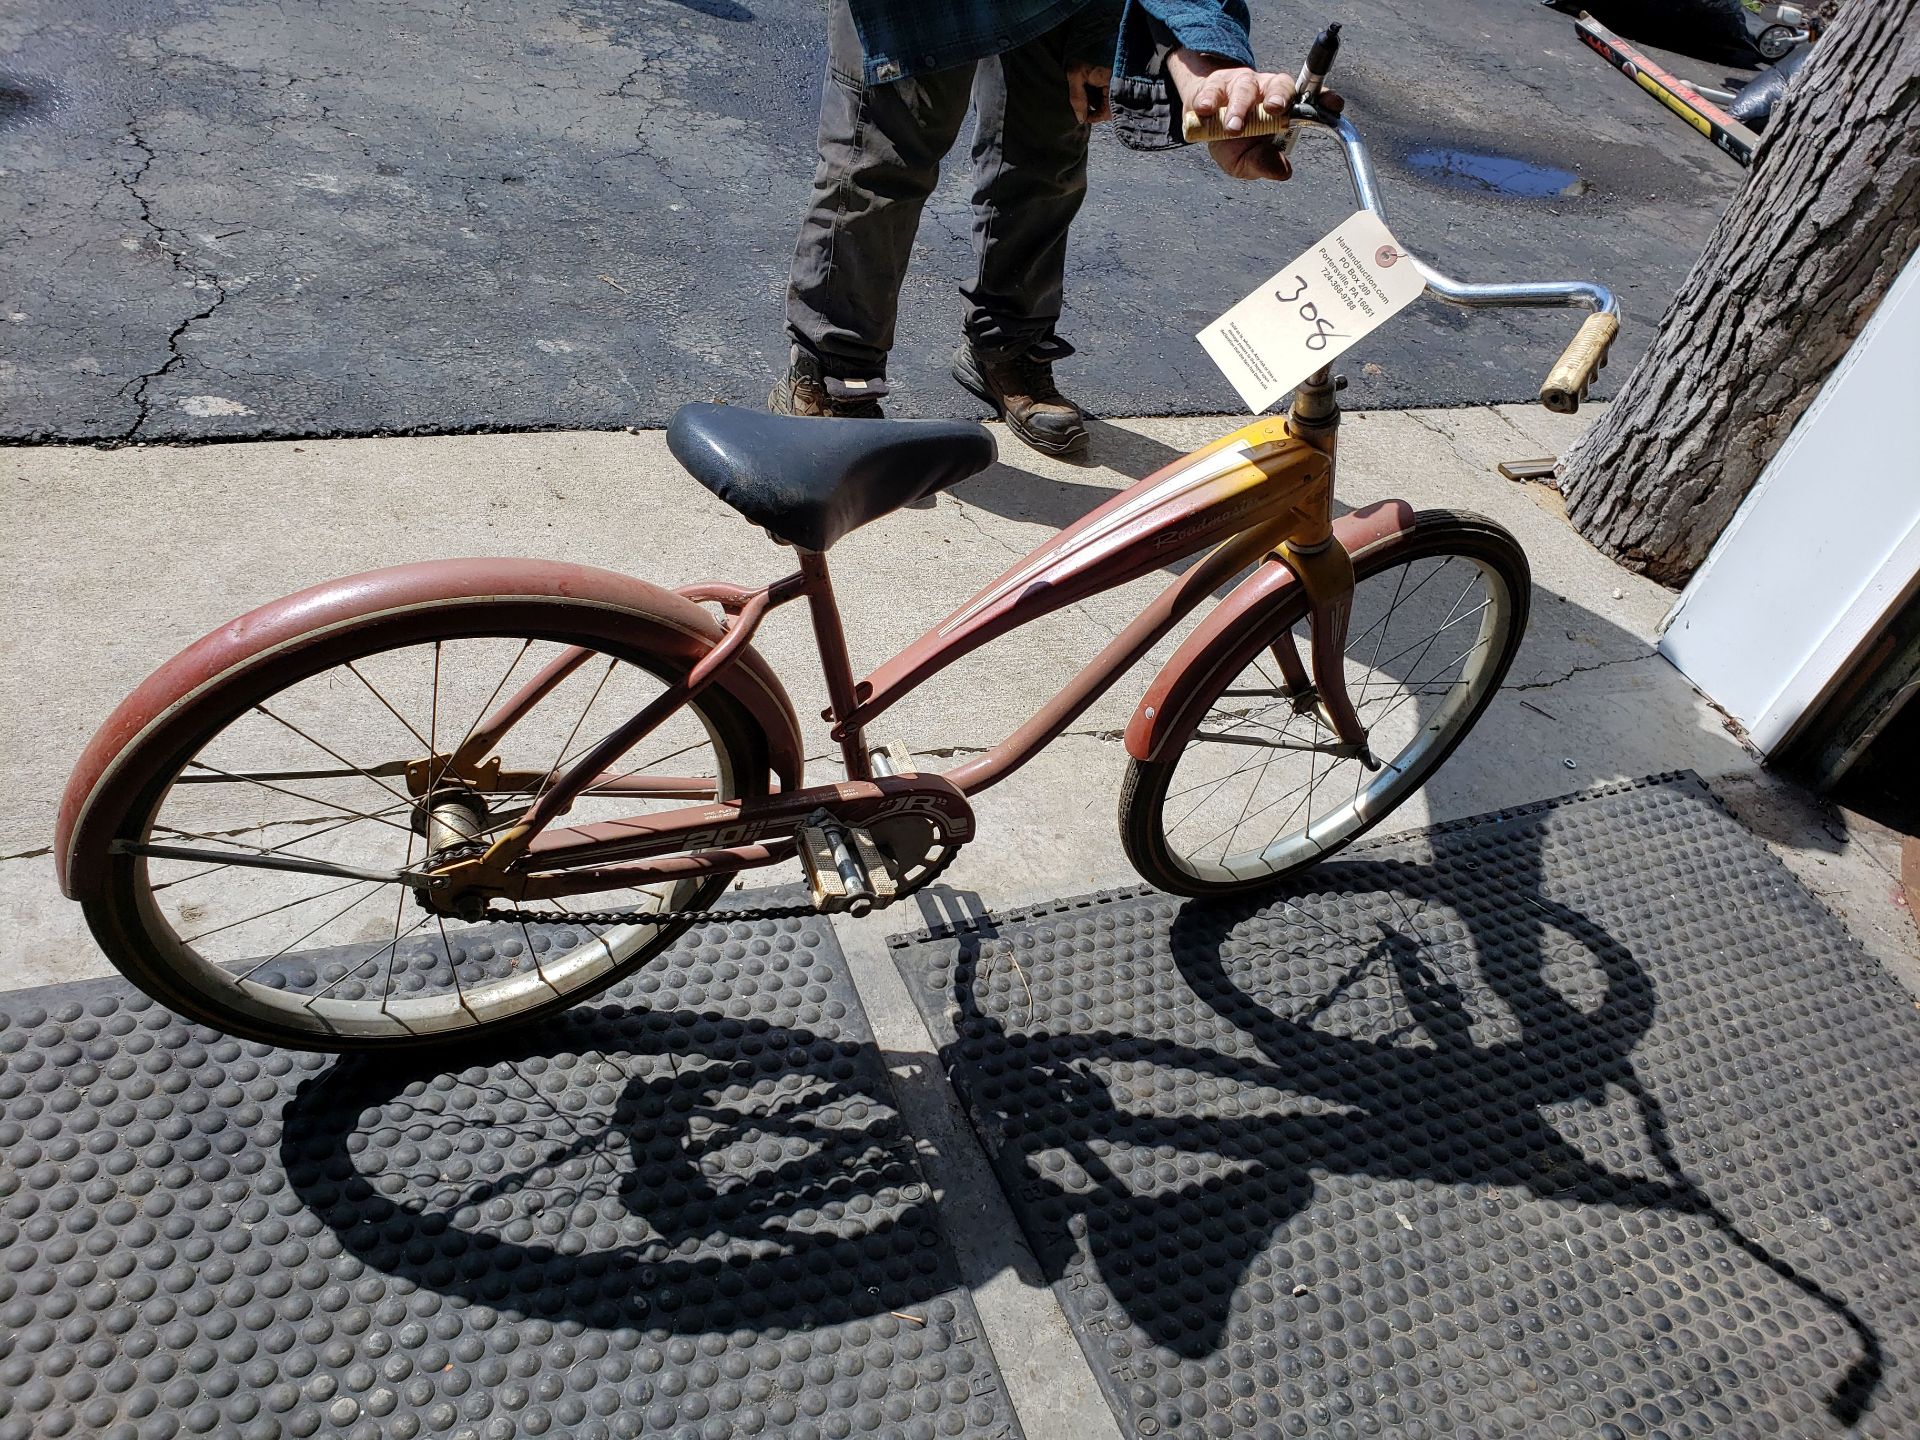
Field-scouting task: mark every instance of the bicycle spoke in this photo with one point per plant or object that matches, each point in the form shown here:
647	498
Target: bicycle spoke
1212	787
486	706
1244	816
560	759
1252	790
398	935
297	795
390	767
1414	692
1383	624
1250	765
299	939
404	800
1409	595
374	690
393	951
1452	620
276	910
657	760
446	946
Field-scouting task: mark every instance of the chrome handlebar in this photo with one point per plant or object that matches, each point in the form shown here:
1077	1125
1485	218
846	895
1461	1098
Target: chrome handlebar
1566	384
1366	191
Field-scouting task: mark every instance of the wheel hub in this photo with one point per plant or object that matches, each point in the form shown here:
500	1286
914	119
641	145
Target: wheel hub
452	824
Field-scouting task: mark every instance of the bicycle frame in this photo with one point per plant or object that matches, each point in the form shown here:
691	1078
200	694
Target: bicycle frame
1264	492
1266	489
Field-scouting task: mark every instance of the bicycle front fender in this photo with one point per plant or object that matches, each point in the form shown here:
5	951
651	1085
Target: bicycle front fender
1236	630
159	714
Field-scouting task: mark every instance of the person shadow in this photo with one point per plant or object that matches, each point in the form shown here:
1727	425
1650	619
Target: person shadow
1014	493
1458	1035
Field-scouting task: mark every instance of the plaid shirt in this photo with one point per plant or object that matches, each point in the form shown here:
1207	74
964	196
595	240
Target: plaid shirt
909	37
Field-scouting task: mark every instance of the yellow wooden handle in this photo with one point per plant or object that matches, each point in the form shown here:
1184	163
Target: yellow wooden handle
1578	364
1263	121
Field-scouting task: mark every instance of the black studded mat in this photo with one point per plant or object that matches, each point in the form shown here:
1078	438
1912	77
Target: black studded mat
1584	1119
687	1208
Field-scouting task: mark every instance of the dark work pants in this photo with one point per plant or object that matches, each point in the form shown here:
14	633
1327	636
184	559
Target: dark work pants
880	153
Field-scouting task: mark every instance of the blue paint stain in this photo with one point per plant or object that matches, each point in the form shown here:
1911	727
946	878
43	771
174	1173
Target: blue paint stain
1497	174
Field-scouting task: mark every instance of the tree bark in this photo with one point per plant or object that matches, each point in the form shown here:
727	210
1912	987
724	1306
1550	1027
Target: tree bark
1792	273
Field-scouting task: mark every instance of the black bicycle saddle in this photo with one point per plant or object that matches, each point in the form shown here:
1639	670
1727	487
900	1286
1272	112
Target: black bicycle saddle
807	480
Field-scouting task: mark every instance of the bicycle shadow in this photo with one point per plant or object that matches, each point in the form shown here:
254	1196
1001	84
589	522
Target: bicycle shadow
1497	1021
666	1170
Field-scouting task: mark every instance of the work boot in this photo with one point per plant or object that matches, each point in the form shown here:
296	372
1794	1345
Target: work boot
1019	385
806	390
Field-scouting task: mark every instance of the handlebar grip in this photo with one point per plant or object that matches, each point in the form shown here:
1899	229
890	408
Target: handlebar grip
1263	121
1579	364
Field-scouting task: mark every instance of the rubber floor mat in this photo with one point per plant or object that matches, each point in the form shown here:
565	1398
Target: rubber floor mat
1582	1119
686	1208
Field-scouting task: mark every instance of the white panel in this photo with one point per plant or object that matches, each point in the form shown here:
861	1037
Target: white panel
1825	542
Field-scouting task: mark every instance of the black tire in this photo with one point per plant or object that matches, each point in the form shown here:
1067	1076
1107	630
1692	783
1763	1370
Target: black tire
1436	535
1776	41
143	943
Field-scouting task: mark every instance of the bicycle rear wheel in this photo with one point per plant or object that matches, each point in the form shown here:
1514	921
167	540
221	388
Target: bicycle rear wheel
278	912
1256	792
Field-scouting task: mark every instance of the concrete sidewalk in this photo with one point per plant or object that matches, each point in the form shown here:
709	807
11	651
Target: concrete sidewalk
117	559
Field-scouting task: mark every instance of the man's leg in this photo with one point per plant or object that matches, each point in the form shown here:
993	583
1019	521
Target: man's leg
1030	175
880	153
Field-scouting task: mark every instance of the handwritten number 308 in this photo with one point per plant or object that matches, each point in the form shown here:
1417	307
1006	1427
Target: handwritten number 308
1309	312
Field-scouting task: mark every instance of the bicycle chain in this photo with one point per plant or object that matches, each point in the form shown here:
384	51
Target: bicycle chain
798	911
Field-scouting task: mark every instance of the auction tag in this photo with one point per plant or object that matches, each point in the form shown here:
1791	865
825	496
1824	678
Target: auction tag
1342	289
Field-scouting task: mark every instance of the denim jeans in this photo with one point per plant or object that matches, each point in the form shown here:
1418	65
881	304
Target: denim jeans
880	153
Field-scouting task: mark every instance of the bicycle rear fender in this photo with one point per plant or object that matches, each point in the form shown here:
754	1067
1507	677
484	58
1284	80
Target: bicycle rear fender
1232	634
155	716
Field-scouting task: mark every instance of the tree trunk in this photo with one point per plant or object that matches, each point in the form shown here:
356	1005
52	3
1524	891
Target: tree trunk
1829	215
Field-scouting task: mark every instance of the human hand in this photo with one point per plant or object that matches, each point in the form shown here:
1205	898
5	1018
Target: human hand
1209	85
1090	92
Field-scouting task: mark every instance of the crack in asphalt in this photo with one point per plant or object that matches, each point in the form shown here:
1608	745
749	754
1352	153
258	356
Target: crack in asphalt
199	277
1581	670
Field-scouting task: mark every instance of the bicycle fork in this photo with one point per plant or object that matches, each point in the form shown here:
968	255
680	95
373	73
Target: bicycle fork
1324	570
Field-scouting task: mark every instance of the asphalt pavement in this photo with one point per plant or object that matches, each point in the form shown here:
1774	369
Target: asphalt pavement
222	220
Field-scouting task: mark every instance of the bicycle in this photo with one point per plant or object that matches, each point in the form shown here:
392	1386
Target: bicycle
239	867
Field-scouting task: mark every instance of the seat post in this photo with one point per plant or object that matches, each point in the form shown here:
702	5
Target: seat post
831	640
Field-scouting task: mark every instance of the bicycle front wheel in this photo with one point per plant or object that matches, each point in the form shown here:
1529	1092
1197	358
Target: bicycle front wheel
257	884
1259	789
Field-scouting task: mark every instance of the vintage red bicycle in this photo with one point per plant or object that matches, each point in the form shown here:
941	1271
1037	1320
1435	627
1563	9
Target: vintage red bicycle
412	805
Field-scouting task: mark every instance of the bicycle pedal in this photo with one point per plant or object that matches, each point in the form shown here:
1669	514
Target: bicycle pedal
845	869
892	758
